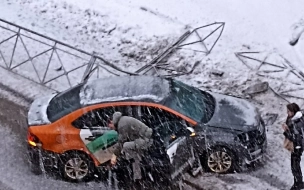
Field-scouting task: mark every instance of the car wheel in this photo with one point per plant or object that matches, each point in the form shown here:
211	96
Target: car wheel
220	160
76	166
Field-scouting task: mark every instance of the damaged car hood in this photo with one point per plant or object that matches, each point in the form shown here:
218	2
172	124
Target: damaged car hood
234	113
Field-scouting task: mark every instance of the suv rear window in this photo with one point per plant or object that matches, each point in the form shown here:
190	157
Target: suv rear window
64	103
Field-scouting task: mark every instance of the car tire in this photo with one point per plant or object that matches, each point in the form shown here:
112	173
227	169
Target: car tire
76	166
220	160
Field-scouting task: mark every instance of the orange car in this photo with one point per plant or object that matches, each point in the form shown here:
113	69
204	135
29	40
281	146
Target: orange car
69	130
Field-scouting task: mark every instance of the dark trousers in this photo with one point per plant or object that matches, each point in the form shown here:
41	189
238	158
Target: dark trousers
134	150
295	165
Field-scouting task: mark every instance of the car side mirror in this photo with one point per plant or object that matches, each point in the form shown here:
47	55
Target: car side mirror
191	131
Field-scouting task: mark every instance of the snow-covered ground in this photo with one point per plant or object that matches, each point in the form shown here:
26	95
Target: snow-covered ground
131	33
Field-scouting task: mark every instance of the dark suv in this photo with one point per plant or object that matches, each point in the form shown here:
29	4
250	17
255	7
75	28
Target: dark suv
235	135
229	135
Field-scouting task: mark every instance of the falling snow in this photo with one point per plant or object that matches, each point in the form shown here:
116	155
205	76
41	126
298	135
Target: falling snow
130	34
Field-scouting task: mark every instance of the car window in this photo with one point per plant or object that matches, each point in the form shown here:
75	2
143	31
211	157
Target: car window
64	103
93	118
99	117
153	116
168	132
191	102
130	111
163	123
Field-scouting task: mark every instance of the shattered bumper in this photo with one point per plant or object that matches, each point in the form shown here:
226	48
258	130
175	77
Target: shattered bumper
255	153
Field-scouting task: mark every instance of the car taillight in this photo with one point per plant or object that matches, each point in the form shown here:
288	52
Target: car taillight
33	140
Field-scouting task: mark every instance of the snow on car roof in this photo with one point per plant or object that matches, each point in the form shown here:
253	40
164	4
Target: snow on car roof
124	88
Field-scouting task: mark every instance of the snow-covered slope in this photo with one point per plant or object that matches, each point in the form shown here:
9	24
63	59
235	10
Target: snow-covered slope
131	33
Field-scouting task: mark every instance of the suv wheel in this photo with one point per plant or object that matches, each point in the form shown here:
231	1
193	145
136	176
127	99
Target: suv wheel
77	166
220	160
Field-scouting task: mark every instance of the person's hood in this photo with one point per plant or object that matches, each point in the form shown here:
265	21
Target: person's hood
297	116
116	117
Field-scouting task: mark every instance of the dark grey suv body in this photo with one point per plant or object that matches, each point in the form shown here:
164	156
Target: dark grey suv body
235	127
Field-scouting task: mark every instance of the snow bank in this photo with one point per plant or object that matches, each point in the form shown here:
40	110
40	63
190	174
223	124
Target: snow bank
108	28
115	31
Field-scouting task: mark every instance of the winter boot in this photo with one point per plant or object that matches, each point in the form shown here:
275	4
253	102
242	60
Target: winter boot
294	187
301	185
297	186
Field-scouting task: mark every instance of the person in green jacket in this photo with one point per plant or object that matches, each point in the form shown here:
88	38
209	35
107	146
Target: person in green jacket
134	137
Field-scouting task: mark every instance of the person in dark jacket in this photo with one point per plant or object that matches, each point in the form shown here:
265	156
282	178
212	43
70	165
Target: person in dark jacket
134	137
292	131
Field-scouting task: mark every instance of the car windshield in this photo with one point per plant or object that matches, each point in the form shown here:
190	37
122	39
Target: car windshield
191	102
64	103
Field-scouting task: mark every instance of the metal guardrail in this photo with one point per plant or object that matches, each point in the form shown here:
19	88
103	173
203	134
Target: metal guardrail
282	72
156	63
57	65
18	49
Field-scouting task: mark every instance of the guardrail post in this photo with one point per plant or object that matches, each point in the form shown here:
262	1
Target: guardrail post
15	45
88	70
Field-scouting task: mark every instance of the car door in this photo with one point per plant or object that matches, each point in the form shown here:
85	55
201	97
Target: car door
179	147
181	156
95	134
94	131
173	134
